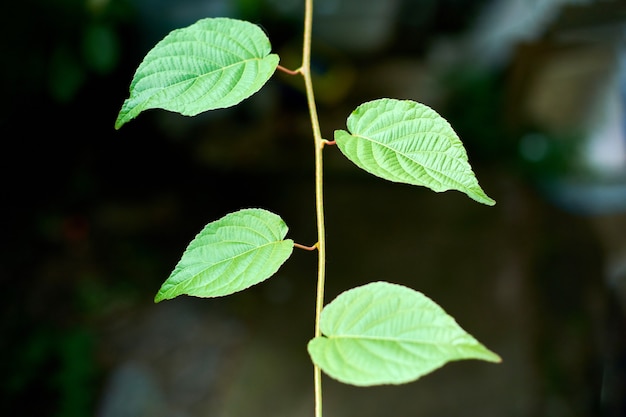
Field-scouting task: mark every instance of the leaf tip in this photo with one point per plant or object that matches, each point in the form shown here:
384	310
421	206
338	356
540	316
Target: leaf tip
122	116
119	123
161	296
488	201
490	356
477	194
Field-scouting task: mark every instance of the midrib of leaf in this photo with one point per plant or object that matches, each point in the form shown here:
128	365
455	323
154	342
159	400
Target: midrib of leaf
426	168
230	259
402	345
197	78
383	321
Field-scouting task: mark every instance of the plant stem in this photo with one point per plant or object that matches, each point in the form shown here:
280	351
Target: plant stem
319	195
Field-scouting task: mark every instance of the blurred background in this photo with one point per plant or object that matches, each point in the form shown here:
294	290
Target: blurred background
94	219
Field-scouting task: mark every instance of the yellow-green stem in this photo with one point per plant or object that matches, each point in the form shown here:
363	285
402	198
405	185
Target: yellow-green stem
319	195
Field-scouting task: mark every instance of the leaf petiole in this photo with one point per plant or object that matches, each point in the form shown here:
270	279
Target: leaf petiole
309	248
288	71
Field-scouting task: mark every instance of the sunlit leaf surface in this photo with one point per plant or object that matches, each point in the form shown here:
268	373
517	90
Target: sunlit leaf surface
408	142
231	254
383	333
214	63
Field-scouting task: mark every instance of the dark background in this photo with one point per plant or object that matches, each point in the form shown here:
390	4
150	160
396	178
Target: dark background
95	219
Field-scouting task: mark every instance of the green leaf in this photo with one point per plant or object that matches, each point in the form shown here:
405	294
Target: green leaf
408	142
384	333
230	254
214	63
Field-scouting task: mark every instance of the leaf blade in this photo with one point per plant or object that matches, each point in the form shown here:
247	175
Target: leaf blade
211	64
408	142
383	333
229	255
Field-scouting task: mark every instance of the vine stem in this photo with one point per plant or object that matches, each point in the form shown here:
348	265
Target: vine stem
305	70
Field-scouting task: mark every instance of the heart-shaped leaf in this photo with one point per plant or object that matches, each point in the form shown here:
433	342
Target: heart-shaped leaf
383	333
408	142
214	63
230	254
